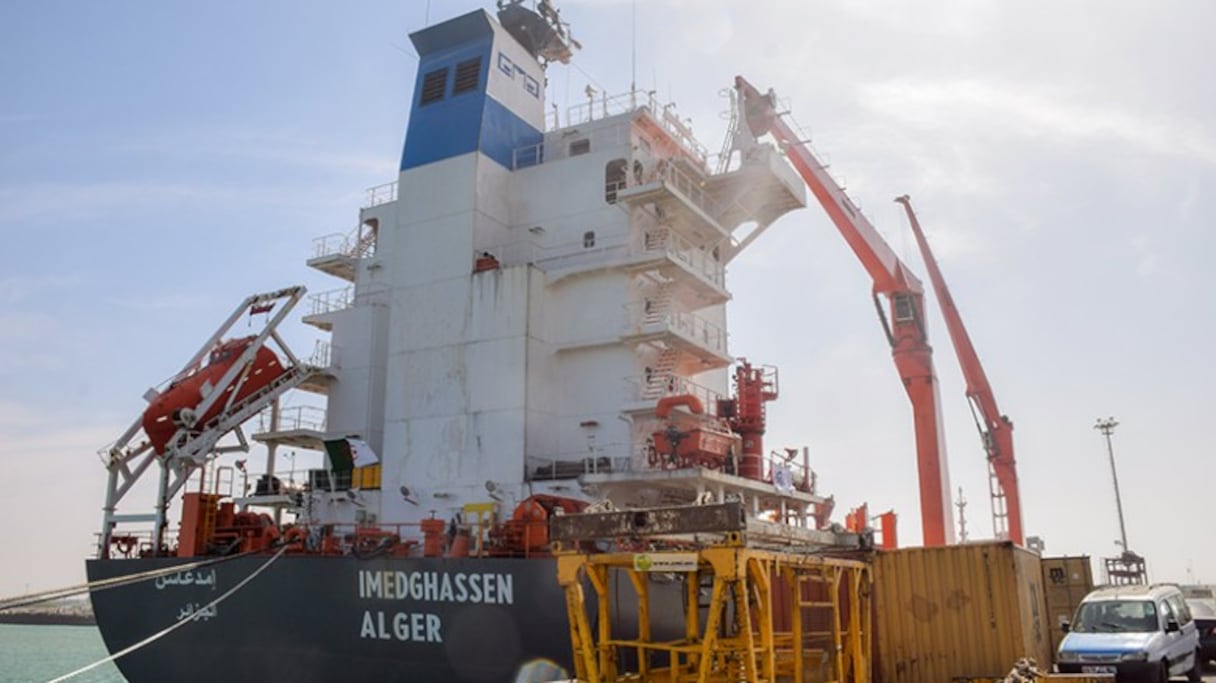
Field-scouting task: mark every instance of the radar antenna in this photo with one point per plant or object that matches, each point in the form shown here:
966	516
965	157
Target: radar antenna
541	32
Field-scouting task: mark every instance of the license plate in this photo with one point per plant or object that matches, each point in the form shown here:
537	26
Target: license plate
1098	669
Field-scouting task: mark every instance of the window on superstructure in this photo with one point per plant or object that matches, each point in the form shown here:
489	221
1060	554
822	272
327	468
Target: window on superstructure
614	179
588	239
580	147
468	76
433	86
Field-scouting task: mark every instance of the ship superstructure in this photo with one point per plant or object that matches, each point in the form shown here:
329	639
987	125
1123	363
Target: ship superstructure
529	321
519	301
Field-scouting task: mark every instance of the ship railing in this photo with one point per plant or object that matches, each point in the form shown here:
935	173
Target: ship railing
575	464
589	250
571	144
681	131
802	477
381	194
688	186
698	260
345	539
323	354
358	243
219	480
293	418
133	543
663	114
333	244
333	300
644	316
652	386
609	105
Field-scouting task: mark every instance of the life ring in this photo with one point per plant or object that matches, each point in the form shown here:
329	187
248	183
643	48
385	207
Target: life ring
296	535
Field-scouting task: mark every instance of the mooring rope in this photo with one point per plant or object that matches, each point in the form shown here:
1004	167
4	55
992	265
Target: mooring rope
173	627
47	596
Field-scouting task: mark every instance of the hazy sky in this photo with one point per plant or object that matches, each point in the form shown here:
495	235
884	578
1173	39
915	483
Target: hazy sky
161	161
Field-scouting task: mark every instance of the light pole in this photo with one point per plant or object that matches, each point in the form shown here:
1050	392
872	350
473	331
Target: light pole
1107	427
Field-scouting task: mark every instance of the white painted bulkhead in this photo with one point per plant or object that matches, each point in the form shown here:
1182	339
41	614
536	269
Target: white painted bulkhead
471	386
492	377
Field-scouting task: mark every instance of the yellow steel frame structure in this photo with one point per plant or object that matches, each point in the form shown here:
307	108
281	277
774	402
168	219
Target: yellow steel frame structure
745	648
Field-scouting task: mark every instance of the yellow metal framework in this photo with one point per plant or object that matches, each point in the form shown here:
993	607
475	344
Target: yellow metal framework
819	630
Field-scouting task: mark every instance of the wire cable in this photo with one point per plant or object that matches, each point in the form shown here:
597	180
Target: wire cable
47	596
173	627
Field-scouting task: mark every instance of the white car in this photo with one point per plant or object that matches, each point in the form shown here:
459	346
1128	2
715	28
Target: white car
1139	633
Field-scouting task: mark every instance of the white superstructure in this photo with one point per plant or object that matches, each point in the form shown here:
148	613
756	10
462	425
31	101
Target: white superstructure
511	309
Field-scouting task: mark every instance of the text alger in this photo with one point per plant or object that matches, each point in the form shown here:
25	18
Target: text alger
472	588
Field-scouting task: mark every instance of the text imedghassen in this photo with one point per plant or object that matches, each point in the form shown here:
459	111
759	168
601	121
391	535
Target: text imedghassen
420	626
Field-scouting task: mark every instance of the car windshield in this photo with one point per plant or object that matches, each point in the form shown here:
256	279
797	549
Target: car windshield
1108	616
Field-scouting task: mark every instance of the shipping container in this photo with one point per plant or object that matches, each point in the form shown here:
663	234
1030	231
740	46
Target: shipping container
1066	580
964	611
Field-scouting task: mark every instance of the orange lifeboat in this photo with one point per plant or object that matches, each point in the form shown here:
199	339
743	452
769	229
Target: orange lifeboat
704	441
164	416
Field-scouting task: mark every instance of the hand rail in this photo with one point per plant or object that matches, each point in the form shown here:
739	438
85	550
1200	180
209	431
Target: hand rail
690	325
678	247
381	194
292	418
332	300
656	385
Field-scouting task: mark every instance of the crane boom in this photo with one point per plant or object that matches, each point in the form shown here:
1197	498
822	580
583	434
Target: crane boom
996	430
902	319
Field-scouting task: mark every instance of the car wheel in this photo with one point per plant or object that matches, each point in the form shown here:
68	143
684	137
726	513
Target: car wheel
1164	676
1194	674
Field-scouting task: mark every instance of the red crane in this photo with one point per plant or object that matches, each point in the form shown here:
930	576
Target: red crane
996	430
905	324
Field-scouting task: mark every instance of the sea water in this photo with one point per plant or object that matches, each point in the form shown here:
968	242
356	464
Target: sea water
44	653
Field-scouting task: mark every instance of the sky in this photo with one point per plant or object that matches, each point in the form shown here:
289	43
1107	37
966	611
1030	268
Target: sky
161	161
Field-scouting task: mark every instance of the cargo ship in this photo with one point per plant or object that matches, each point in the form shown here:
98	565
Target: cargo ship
530	321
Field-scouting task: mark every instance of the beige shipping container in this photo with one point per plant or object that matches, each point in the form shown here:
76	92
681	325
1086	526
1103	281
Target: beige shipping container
1066	580
964	611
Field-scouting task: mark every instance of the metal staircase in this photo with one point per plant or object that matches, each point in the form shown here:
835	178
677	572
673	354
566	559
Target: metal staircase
658	305
661	379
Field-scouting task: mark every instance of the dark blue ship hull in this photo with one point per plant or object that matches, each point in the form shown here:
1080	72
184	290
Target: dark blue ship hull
308	618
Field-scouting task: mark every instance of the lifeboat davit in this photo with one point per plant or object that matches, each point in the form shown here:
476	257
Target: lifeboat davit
704	441
167	413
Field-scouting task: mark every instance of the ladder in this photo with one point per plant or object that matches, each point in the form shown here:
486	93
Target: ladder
661	380
1000	512
658	305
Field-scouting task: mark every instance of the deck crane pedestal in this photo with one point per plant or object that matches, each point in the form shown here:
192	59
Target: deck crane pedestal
996	430
902	317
